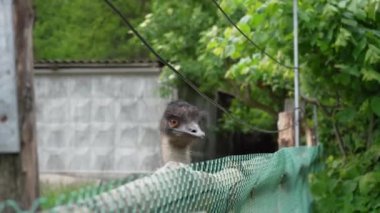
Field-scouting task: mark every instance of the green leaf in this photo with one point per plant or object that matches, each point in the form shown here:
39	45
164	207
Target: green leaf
218	51
361	45
245	19
342	38
259	18
372	55
236	55
370	74
346	115
228	32
342	78
375	105
212	44
229	50
368	182
349	69
329	10
349	187
349	22
244	27
373	7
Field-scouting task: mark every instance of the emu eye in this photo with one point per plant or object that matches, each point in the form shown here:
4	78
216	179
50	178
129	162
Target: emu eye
173	123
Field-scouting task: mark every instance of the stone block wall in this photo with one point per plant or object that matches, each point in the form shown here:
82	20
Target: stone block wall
98	122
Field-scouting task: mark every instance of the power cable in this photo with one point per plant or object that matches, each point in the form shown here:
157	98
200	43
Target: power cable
187	81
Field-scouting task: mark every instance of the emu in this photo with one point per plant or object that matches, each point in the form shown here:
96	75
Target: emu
179	129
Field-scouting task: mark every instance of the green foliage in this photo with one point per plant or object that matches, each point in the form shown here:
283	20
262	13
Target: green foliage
84	29
375	105
174	29
339	55
251	115
216	56
349	185
341	65
339	44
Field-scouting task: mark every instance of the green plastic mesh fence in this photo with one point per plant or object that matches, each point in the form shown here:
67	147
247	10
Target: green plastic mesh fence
249	183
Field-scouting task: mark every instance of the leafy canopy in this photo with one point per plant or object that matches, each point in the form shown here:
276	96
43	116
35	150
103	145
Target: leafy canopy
339	56
85	29
339	44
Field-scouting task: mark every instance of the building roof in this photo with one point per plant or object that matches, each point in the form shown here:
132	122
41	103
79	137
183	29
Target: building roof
56	64
96	66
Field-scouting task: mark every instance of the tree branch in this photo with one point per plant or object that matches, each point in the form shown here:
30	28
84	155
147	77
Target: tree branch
246	98
318	103
339	139
253	103
370	130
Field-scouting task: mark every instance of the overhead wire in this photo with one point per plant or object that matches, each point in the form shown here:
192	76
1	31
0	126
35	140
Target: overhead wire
187	81
248	39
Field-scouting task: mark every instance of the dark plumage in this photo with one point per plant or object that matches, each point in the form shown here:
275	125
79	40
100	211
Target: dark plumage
179	129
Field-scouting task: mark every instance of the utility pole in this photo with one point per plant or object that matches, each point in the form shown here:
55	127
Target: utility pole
18	146
291	116
296	76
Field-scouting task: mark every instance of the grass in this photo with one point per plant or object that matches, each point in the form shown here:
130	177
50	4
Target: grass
54	194
58	194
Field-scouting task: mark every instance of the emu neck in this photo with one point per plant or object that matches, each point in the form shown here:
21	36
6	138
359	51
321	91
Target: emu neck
171	151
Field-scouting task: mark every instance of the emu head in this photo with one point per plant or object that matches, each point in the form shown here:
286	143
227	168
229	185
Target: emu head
180	124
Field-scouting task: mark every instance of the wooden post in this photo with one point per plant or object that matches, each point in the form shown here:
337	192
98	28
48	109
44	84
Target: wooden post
310	136
285	123
19	170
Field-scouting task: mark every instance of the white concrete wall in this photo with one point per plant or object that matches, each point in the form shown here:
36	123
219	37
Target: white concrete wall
98	122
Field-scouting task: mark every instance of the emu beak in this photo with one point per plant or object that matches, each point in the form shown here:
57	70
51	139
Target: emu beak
192	129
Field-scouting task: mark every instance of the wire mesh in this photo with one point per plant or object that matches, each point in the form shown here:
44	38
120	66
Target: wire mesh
274	182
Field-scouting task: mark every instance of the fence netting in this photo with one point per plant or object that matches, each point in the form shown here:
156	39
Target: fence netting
276	182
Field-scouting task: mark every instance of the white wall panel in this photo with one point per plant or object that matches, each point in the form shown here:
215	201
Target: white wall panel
98	122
